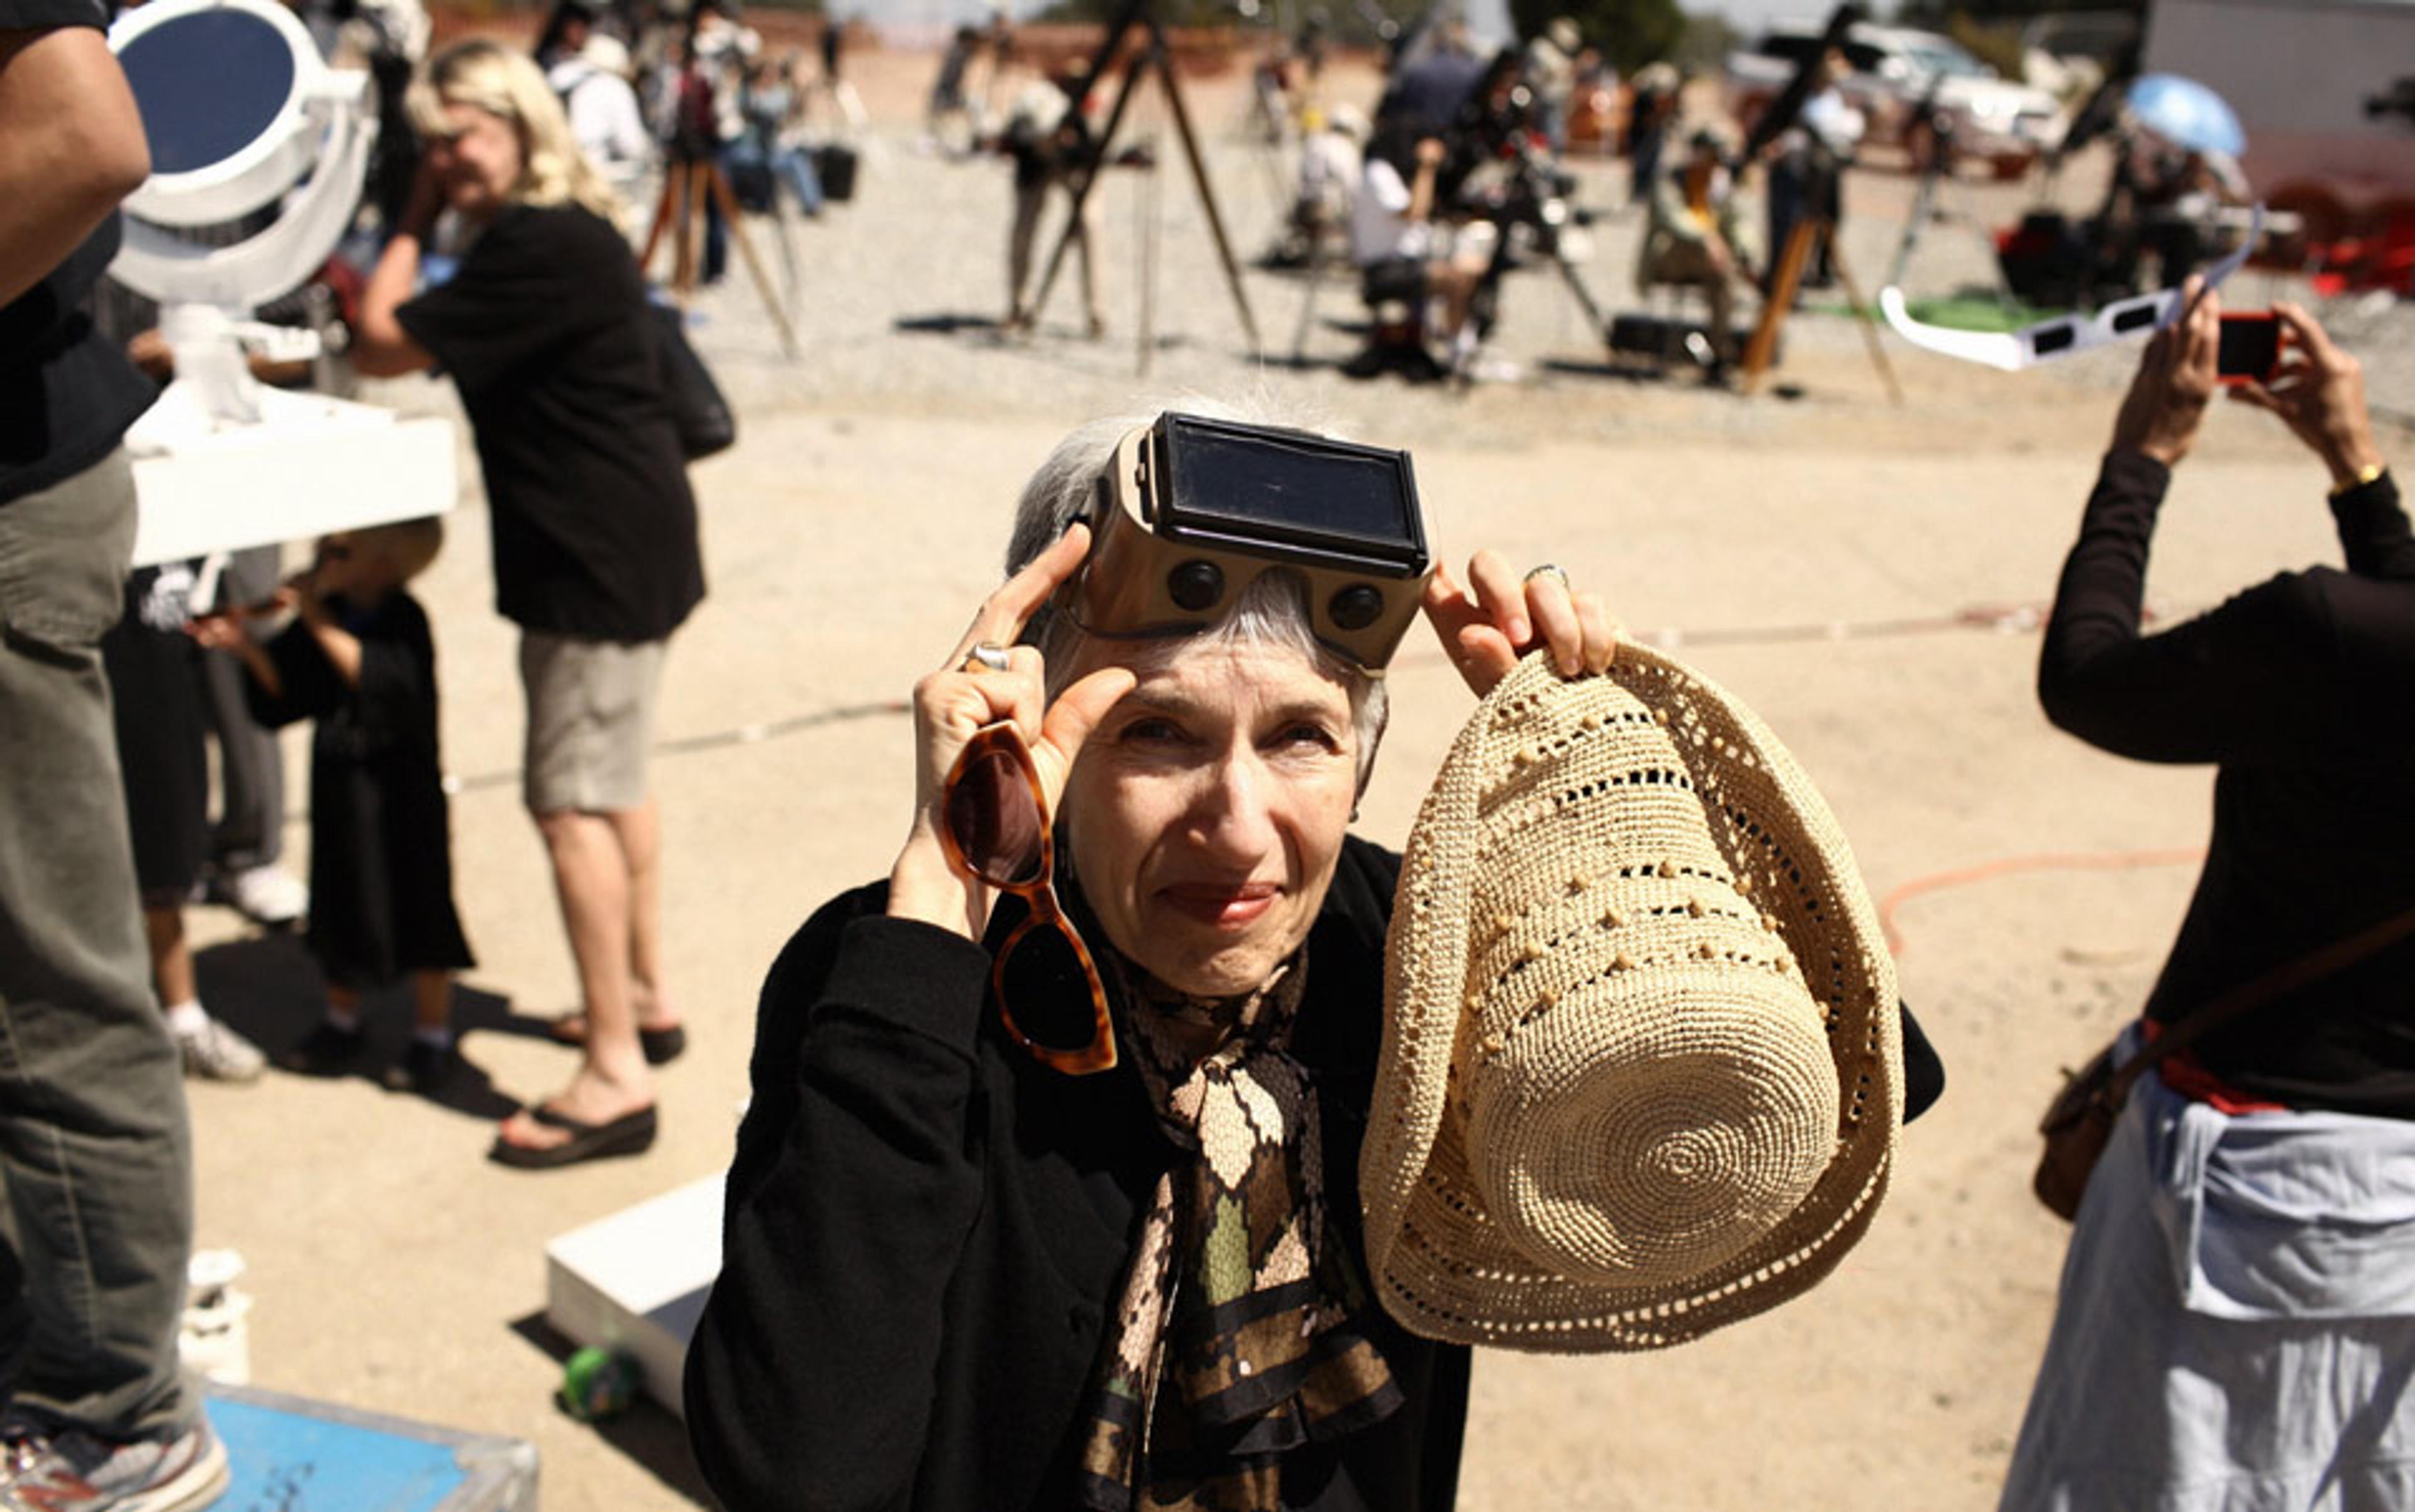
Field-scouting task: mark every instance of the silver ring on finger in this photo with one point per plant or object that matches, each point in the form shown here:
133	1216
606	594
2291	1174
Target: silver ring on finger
1548	569
984	657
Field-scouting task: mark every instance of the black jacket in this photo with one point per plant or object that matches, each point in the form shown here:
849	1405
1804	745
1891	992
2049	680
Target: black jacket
2302	689
923	1229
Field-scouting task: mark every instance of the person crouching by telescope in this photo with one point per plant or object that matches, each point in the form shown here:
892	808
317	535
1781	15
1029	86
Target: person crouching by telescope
1128	854
1696	236
1401	253
2235	1311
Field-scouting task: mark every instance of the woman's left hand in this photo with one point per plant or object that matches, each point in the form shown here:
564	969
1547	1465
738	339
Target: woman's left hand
2167	402
1497	618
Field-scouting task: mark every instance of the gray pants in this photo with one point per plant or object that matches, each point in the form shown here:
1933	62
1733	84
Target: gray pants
96	1152
250	830
1029	202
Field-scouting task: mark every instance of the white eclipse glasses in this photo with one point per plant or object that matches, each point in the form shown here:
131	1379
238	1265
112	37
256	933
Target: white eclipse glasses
2012	350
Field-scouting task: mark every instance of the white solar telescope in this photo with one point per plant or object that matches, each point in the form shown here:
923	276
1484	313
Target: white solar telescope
242	117
259	150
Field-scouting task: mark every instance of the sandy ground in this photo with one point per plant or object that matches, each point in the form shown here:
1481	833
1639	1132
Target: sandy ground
1845	565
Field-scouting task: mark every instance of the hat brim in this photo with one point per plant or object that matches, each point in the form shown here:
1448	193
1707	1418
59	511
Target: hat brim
1443	1266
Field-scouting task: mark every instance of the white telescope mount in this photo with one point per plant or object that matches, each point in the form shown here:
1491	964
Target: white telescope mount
259	152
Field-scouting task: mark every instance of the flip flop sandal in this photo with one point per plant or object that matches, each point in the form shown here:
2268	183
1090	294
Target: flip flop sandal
631	1134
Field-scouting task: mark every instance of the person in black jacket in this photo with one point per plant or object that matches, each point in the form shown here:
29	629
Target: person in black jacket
954	1278
545	329
2234	1322
359	660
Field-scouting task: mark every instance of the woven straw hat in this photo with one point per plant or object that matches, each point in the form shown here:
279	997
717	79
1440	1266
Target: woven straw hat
1642	1072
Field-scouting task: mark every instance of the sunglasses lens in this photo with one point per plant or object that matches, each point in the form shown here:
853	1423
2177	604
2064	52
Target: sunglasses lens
994	820
1047	991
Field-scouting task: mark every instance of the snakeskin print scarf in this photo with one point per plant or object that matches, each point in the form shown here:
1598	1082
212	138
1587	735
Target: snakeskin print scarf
1233	1339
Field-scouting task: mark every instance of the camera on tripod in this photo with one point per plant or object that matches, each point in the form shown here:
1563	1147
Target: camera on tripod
1532	191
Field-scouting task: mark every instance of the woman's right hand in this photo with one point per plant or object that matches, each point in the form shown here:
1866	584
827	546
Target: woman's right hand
951	704
426	201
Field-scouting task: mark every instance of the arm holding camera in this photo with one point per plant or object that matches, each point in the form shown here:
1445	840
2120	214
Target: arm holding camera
2256	679
2319	395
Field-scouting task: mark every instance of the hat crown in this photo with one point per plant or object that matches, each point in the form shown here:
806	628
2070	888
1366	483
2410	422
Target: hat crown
1640	1072
1649	1086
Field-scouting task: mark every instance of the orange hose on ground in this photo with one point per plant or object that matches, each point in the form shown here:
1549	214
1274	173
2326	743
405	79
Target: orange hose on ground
2090	860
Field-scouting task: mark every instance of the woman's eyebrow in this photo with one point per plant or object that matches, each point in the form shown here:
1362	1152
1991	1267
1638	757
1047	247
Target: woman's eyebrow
1158	702
1183	706
1312	711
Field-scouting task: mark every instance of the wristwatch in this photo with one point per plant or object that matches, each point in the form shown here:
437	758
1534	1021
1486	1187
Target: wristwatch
2363	475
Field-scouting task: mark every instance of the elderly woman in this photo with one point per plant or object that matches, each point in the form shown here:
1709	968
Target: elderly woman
955	1276
546	330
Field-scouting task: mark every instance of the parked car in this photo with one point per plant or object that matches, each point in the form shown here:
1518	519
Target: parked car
1993	121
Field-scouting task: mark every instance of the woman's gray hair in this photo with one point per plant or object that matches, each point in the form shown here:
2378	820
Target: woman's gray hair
1273	610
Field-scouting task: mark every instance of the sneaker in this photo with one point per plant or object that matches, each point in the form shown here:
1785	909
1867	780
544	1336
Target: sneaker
269	896
325	1051
424	1069
215	1053
74	1471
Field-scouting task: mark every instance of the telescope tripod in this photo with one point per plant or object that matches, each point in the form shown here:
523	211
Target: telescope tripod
1811	234
1152	56
686	181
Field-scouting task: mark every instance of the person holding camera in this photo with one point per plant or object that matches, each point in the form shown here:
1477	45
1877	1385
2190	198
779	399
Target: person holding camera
956	1163
2237	1311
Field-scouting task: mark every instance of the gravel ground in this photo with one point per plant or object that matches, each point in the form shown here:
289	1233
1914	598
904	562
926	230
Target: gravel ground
1855	570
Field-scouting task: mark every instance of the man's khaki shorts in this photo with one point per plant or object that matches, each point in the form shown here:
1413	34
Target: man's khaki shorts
591	720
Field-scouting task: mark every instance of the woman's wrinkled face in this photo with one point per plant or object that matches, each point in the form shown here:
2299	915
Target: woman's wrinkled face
1207	811
477	158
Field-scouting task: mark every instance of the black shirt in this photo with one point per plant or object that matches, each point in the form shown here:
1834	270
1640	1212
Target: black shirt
381	846
924	1231
2303	690
66	396
546	330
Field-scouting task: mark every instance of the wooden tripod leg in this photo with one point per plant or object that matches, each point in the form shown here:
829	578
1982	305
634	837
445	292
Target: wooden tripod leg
710	173
692	232
1862	312
666	217
1782	284
1151	204
1207	194
1308	298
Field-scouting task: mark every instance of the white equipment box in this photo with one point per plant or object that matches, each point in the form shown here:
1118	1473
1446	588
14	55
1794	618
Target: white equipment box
637	1280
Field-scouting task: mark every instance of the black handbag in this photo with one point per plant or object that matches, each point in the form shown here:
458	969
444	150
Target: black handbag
699	410
834	166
